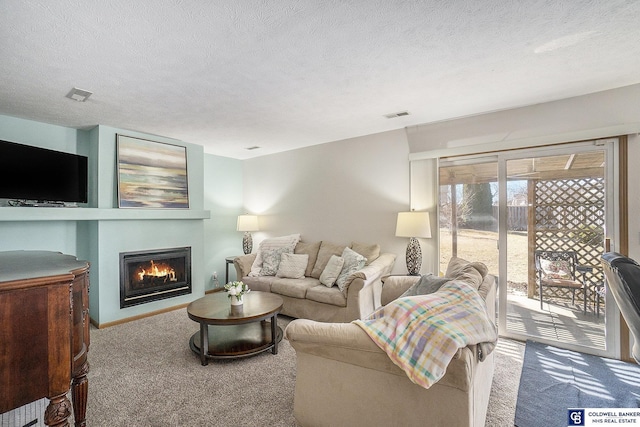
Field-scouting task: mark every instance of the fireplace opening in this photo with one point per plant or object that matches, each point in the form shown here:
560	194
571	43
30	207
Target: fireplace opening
154	275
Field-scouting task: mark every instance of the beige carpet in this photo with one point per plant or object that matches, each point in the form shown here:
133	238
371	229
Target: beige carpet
144	374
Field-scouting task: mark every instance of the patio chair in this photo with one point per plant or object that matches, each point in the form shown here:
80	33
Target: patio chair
623	281
559	269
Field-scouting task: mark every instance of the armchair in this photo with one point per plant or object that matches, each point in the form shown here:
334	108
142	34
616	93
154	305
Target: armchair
559	269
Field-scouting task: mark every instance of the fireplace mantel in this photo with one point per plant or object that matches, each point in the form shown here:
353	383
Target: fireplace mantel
101	233
96	214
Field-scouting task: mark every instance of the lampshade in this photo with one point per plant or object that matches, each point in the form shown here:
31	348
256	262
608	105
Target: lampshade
247	223
413	224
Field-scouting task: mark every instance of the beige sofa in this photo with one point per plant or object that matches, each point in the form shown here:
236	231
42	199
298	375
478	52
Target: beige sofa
344	378
307	298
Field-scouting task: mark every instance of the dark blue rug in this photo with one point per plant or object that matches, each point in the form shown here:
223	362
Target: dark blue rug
554	380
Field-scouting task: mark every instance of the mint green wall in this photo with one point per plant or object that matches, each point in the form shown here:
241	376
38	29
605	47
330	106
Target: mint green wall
115	237
107	189
223	198
38	134
101	241
38	235
58	236
135	235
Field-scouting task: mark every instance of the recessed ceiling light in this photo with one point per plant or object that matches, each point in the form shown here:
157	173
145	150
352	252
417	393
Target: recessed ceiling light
255	147
398	114
79	95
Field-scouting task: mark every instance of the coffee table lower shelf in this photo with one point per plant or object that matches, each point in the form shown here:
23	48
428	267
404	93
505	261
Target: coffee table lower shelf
233	341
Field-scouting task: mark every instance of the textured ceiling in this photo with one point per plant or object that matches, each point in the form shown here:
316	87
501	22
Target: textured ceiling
286	74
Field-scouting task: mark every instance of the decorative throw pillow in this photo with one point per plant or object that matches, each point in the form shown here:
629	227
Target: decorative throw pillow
331	271
271	260
310	249
558	269
272	243
427	284
324	254
292	266
370	252
353	262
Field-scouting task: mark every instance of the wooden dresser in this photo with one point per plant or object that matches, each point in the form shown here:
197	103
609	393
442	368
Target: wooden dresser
44	333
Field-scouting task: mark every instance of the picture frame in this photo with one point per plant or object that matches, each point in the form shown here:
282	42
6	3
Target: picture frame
151	174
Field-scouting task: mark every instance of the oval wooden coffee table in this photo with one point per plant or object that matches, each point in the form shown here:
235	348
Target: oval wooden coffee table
228	331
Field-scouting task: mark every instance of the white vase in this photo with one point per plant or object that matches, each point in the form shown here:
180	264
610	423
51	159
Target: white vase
236	299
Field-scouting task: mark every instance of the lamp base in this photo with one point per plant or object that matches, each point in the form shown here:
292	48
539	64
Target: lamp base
414	257
247	243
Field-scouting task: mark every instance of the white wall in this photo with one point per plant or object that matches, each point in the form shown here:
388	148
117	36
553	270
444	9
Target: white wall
342	191
352	189
600	115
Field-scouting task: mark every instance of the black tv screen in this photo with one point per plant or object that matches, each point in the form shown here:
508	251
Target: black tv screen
30	173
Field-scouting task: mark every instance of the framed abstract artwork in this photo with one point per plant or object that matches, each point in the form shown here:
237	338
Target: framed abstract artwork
151	174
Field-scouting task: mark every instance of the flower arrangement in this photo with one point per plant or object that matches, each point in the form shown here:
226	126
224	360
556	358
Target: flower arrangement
236	290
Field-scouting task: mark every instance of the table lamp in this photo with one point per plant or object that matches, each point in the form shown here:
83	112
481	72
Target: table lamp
247	223
413	225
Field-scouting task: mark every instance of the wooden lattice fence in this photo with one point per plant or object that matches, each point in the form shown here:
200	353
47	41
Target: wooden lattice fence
567	215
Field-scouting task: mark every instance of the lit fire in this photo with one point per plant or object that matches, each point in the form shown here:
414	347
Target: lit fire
157	270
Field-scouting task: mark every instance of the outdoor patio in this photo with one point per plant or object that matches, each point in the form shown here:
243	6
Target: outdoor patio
557	321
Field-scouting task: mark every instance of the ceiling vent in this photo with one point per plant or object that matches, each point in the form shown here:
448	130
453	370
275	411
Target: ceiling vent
79	95
255	147
398	114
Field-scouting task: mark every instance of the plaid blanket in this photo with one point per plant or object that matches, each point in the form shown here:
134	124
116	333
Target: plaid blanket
421	334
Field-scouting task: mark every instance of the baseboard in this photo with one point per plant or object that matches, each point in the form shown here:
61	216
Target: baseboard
139	316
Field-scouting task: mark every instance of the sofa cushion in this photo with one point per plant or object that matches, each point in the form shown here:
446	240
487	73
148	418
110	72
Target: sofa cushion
295	288
271	260
427	284
292	266
353	262
326	295
332	271
310	249
324	254
289	241
370	252
261	283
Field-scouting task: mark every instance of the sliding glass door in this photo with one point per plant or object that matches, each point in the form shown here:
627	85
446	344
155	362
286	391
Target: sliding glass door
468	211
509	210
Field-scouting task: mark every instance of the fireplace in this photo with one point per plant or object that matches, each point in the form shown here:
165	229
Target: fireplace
154	275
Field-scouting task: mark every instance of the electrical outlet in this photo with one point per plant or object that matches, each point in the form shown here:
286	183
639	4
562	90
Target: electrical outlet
215	275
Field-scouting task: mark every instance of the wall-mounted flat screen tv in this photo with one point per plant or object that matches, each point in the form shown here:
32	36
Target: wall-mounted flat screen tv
34	174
